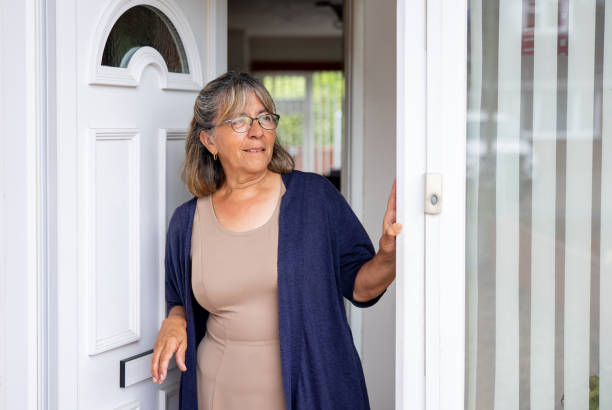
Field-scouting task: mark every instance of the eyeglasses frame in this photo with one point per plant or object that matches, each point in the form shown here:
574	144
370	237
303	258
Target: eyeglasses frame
275	116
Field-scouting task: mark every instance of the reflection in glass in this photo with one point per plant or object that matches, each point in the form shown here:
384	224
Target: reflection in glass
142	26
539	205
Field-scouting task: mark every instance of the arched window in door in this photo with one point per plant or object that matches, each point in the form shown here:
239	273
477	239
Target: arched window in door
135	34
142	26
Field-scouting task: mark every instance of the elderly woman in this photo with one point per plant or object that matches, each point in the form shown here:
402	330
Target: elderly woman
257	264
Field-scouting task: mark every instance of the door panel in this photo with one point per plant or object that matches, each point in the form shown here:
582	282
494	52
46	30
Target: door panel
134	105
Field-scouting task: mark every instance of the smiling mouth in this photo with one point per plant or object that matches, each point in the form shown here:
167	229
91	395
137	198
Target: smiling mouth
255	150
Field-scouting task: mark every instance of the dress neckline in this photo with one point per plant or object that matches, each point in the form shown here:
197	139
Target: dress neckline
222	228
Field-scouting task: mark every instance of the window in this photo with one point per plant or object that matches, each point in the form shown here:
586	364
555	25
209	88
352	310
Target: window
310	106
143	26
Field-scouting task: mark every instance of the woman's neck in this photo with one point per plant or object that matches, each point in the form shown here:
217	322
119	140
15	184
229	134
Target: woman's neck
244	184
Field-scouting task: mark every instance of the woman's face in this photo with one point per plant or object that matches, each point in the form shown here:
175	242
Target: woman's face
245	153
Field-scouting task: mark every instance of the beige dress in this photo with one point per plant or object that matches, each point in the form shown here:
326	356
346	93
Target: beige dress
234	277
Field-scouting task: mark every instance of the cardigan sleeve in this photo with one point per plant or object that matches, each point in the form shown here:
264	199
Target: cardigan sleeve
354	247
172	263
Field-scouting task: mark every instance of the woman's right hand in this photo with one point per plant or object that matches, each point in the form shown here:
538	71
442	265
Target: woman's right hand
172	338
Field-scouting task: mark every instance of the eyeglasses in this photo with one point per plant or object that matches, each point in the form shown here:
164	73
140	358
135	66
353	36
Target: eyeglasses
244	122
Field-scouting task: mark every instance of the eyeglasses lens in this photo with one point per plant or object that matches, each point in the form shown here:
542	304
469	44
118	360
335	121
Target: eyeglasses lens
242	124
268	122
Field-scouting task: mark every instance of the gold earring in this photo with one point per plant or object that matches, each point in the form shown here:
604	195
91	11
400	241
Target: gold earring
215	157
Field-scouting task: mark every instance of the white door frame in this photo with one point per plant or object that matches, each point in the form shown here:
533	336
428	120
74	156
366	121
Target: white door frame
22	204
411	166
352	153
431	138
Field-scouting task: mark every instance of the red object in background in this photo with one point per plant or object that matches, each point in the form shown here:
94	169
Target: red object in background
527	43
527	40
562	36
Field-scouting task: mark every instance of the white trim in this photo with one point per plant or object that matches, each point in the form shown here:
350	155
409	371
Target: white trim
355	93
165	135
32	136
352	175
216	34
165	393
133	405
43	219
20	203
65	102
87	237
130	76
411	150
435	164
445	233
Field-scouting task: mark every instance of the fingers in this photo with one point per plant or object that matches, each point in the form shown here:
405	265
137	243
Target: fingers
392	201
394	229
155	365
390	213
161	360
165	360
180	356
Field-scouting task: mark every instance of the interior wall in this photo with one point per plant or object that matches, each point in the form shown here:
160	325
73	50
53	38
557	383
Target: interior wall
237	50
379	56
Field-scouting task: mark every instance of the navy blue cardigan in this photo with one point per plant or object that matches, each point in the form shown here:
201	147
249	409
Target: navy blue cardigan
321	246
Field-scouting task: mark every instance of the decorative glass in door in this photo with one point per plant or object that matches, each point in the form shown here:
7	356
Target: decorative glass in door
539	205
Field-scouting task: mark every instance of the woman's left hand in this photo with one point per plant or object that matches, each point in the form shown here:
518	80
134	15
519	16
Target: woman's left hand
391	228
378	273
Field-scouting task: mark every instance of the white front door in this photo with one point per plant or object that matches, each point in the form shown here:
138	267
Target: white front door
123	114
517	272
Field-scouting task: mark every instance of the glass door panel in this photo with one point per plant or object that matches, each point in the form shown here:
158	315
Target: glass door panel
539	205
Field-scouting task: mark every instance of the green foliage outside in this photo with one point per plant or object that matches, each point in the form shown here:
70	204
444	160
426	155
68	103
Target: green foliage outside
291	130
327	98
286	86
328	93
594	393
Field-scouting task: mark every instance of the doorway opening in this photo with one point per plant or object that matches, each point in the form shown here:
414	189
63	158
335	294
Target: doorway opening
331	68
296	49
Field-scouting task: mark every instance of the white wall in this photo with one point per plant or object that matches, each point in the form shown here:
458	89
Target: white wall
18	204
379	71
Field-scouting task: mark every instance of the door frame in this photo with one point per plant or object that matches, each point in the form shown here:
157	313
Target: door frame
22	204
431	97
352	178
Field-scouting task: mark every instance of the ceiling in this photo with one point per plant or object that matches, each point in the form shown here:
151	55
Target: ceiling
274	18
